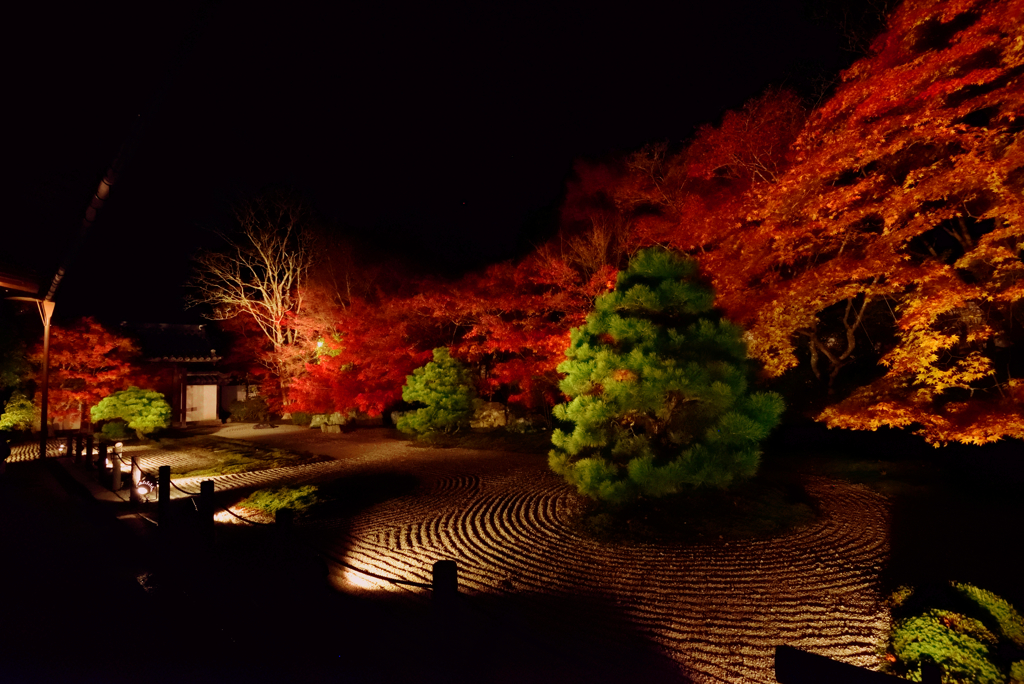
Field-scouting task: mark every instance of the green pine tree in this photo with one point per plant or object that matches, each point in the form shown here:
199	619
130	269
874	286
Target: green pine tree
445	387
145	411
659	390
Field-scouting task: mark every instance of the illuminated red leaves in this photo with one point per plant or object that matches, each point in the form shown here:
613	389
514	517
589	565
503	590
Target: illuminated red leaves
901	196
87	363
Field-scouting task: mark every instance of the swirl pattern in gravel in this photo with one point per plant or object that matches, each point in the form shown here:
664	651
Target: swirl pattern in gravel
717	609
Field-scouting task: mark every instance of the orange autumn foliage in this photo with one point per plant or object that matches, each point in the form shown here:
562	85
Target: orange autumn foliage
518	319
907	188
900	198
87	362
873	245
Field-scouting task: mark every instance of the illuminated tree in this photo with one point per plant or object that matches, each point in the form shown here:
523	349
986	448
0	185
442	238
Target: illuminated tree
905	199
363	360
515	320
659	390
145	411
751	144
18	413
509	322
87	363
694	200
445	387
877	249
261	273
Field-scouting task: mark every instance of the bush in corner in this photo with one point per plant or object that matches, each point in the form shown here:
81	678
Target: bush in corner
972	634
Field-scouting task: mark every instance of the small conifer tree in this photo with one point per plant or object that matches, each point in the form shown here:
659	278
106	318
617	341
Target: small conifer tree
18	413
145	411
659	390
444	385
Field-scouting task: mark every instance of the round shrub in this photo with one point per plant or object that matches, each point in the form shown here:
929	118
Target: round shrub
445	388
252	410
145	411
301	418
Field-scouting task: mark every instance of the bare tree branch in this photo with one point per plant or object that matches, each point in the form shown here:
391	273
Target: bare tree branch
263	269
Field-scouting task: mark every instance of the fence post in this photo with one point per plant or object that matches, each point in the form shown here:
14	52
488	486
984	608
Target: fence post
71	445
445	581
163	495
133	494
88	450
101	463
115	474
78	448
206	511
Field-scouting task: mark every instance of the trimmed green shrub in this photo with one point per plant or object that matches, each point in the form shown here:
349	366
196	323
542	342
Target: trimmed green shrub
659	390
301	418
445	387
1010	623
115	430
252	410
19	413
972	634
272	499
145	411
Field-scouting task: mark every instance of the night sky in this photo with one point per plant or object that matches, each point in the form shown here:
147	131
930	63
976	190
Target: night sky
443	131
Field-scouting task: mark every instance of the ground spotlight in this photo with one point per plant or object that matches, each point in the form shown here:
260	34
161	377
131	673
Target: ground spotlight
145	486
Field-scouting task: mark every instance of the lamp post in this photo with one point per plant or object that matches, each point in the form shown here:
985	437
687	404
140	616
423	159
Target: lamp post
45	307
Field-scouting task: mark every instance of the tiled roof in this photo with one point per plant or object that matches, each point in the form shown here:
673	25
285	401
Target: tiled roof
175	342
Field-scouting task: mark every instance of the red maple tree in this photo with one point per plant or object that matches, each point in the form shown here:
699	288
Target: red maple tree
363	356
873	243
87	363
887	228
517	319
